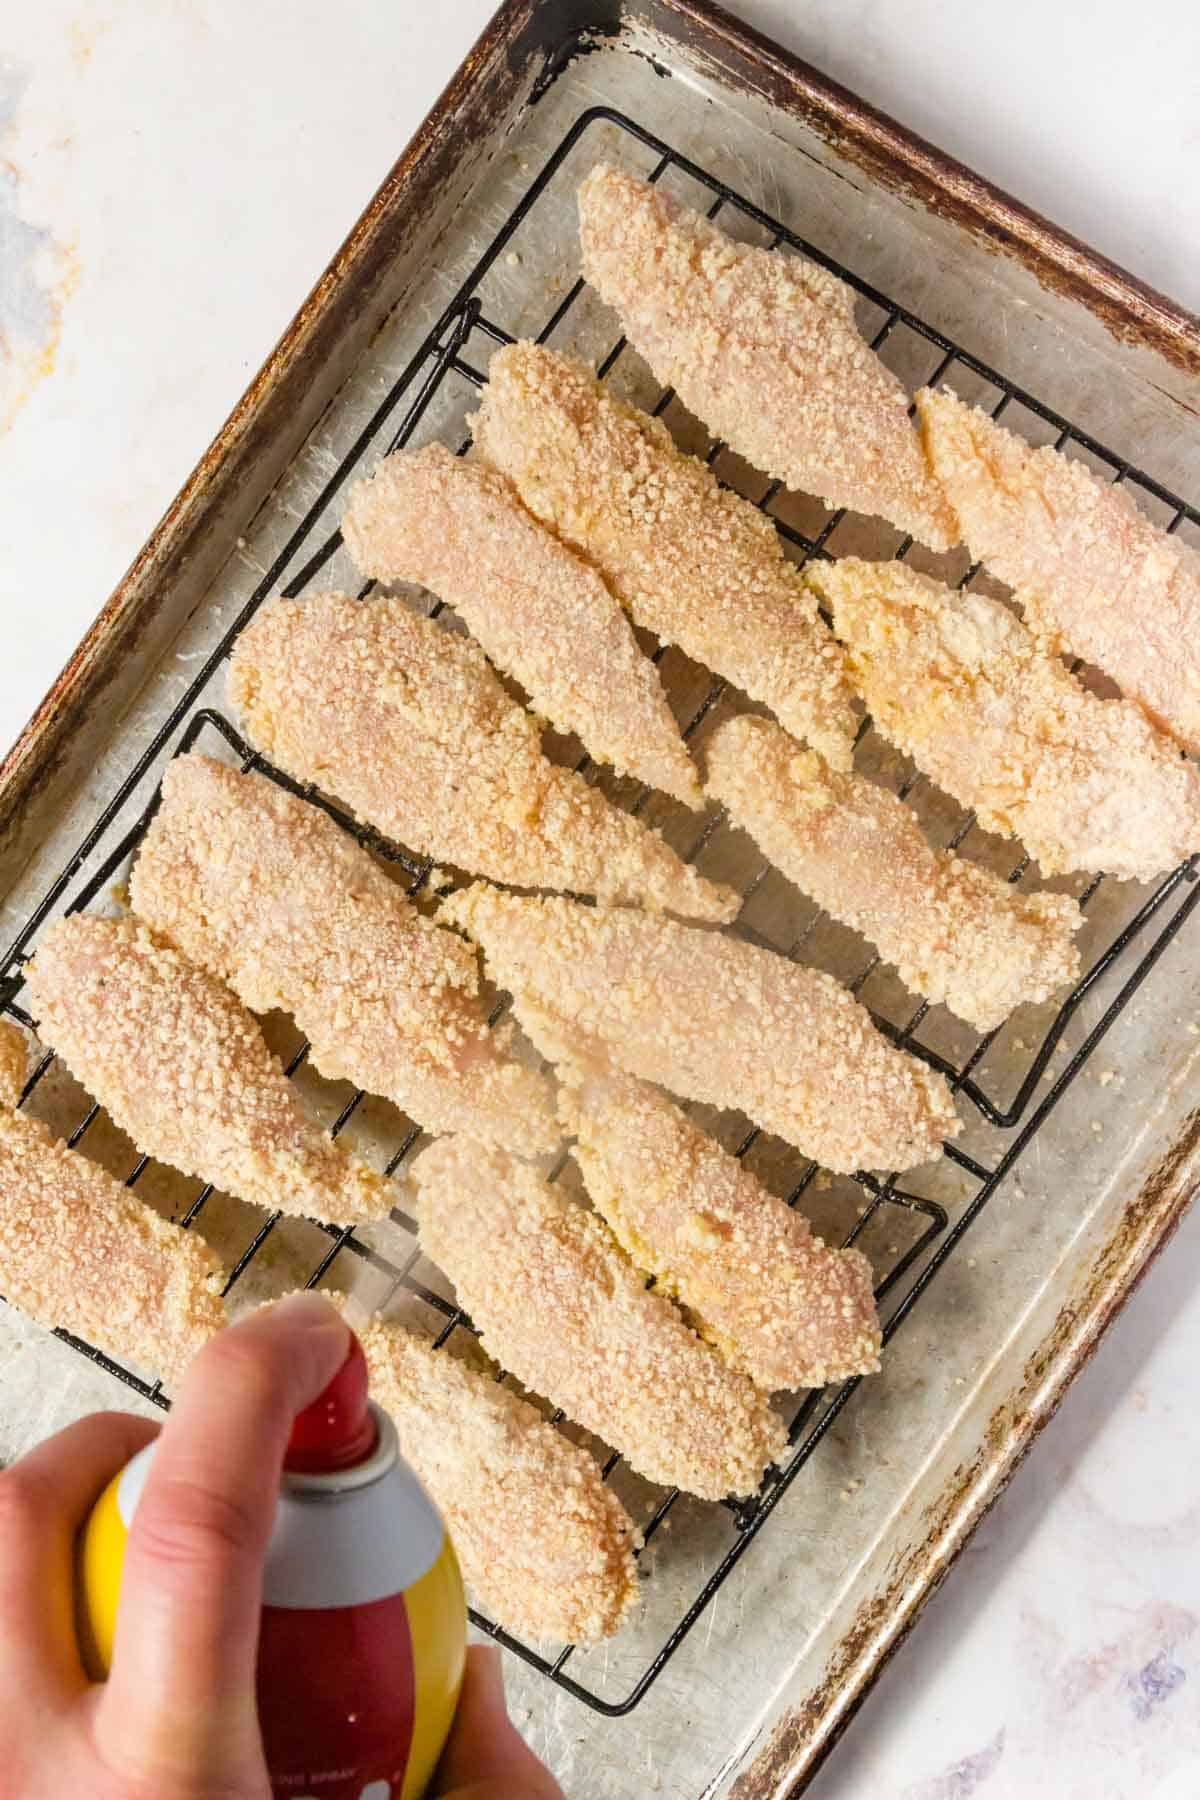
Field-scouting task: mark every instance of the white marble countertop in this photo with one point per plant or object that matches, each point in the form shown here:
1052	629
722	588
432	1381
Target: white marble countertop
151	251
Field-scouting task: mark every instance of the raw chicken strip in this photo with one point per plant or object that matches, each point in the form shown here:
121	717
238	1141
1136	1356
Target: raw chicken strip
544	1545
267	892
1094	576
182	1068
777	1303
714	1019
692	561
460	530
955	931
958	683
79	1250
407	723
560	1307
762	346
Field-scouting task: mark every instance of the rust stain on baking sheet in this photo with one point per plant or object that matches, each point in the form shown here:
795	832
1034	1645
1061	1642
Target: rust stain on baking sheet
803	1738
902	162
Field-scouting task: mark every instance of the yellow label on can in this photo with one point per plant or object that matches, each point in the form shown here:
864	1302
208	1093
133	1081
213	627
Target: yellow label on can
101	1558
435	1605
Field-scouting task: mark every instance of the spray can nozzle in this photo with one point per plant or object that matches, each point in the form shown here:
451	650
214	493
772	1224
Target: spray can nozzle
363	1626
336	1430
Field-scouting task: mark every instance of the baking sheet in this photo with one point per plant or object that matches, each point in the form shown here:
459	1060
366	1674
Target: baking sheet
867	1499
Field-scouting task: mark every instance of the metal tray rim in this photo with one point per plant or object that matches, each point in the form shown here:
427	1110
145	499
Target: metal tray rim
553	30
534	39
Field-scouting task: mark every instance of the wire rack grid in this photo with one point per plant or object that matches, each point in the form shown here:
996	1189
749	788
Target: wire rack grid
448	353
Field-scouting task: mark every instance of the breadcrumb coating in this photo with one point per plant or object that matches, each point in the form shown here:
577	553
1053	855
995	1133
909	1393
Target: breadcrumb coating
777	1303
408	724
79	1250
693	562
1094	576
182	1068
544	616
14	1062
560	1307
954	931
267	892
763	347
713	1019
544	1545
958	683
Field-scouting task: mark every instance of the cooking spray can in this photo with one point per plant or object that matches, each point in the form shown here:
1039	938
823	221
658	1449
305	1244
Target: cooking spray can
364	1620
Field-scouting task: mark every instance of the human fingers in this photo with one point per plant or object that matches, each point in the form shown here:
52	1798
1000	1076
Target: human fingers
44	1498
486	1758
182	1690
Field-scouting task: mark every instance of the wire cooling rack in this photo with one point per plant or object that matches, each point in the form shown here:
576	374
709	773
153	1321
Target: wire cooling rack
452	351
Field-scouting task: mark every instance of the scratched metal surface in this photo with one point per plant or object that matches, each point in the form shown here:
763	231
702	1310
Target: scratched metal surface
858	1505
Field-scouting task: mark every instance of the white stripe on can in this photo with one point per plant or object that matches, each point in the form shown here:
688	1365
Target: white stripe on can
336	1544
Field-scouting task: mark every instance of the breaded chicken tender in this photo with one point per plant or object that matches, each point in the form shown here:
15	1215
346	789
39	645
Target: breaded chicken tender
181	1067
14	1063
1094	576
544	616
409	726
545	1546
560	1307
691	561
713	1019
954	931
267	892
762	346
79	1251
956	681
775	1301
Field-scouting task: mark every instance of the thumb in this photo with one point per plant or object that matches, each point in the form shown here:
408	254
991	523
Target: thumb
181	1695
486	1758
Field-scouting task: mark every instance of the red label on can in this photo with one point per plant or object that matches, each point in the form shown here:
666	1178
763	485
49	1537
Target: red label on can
337	1700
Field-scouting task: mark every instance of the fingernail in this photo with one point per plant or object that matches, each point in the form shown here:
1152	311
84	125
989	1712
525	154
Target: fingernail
307	1311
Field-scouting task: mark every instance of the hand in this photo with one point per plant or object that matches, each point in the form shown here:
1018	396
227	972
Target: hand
486	1758
176	1719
